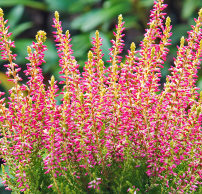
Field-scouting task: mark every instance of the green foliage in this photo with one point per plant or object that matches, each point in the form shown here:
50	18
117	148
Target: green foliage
189	6
29	3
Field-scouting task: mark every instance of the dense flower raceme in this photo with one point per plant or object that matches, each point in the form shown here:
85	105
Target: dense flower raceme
114	132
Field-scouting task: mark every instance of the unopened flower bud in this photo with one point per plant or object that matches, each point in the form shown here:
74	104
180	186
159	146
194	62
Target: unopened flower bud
81	97
97	35
200	13
66	96
52	81
198	110
182	41
132	47
30	102
152	52
41	36
120	18
12	96
56	16
67	33
23	109
90	55
29	50
168	20
1	13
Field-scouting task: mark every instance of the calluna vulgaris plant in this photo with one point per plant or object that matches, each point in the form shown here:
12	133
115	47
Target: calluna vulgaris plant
114	131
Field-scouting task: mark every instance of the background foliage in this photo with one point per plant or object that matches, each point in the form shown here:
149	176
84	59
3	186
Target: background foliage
82	18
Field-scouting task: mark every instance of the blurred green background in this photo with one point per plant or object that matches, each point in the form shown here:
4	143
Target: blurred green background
82	18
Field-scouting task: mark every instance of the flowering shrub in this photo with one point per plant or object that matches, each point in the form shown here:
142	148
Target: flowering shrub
113	133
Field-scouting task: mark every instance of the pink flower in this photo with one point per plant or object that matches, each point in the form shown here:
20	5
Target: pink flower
50	186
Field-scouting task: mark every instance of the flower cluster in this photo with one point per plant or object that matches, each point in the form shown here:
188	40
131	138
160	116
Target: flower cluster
114	123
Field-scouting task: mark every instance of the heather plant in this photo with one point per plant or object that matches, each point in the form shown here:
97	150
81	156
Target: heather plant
115	131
